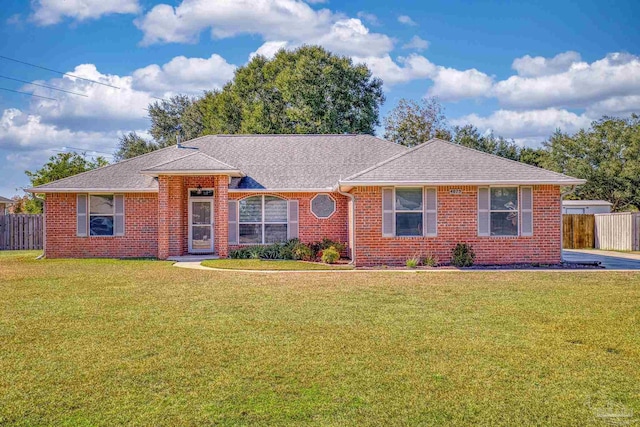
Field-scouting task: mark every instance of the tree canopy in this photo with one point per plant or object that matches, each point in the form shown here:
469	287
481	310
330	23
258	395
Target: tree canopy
411	123
60	166
607	155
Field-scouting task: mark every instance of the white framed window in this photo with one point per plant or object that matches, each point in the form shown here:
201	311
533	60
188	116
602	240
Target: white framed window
100	215
505	211
262	220
323	206
409	212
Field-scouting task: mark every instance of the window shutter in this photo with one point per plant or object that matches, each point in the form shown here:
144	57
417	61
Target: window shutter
388	220
119	215
430	212
233	222
81	215
292	226
526	207
483	211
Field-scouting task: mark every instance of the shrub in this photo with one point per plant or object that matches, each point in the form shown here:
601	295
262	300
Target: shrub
318	247
302	252
462	255
431	260
255	252
330	255
412	262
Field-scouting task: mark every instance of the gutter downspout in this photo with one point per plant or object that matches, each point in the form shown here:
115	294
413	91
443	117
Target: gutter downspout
352	231
562	196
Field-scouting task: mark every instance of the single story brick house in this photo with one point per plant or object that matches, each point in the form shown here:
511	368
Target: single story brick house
387	202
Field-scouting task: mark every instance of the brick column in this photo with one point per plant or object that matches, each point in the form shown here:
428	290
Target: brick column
163	217
221	209
171	228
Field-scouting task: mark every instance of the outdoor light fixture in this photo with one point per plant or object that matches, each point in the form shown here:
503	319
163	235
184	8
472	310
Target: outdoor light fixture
199	190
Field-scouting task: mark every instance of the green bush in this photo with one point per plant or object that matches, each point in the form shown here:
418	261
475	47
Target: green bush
302	252
330	255
462	255
412	262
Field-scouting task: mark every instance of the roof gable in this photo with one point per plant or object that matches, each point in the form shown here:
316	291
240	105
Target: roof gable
194	163
442	162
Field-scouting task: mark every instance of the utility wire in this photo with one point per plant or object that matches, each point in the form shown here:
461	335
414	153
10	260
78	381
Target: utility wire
27	93
59	72
48	87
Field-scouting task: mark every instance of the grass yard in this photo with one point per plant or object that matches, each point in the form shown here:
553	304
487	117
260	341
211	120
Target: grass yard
105	342
280	265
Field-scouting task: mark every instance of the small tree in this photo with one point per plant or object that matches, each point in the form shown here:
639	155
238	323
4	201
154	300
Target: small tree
60	166
411	123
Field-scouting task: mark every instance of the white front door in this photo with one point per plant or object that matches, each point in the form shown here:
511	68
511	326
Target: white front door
201	225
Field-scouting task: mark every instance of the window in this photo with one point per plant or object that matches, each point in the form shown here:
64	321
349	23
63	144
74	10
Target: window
408	207
100	215
498	211
409	211
262	219
323	206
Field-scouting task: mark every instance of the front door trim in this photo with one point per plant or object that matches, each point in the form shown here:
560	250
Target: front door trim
190	220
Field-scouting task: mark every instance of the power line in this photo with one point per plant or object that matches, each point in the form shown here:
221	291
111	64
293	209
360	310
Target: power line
59	72
87	150
48	87
27	93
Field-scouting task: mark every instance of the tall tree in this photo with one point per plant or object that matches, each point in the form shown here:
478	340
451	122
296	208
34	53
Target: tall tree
132	145
175	116
607	155
411	123
307	90
60	166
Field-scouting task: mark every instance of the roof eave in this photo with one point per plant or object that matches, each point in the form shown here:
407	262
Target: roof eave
474	183
232	173
37	190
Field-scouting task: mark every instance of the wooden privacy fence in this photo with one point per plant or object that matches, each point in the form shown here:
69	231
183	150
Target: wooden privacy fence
618	231
578	231
21	231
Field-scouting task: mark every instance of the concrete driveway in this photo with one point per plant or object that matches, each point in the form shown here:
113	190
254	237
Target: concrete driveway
609	259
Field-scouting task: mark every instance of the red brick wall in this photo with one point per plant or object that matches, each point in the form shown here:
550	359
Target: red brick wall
458	223
313	229
140	237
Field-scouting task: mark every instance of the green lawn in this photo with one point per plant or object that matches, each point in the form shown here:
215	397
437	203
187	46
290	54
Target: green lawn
104	342
284	265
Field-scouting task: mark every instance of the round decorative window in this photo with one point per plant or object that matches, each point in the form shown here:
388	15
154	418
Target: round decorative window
323	206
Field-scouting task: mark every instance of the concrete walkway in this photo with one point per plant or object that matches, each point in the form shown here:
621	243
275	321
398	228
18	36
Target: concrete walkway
610	260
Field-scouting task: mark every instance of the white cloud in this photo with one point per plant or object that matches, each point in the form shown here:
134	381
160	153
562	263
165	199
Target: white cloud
616	106
48	12
528	66
450	84
369	18
406	69
269	49
416	43
405	19
617	74
184	75
274	20
526	126
20	131
124	106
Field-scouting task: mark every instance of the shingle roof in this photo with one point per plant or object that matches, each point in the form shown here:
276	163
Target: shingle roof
443	162
268	161
196	161
5	200
308	162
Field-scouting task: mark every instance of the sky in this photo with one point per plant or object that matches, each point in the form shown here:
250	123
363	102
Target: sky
518	69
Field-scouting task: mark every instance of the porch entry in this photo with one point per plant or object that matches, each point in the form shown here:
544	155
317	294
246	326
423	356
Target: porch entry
200	221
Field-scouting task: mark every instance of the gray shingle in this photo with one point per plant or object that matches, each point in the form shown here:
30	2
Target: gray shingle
442	162
196	161
5	200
